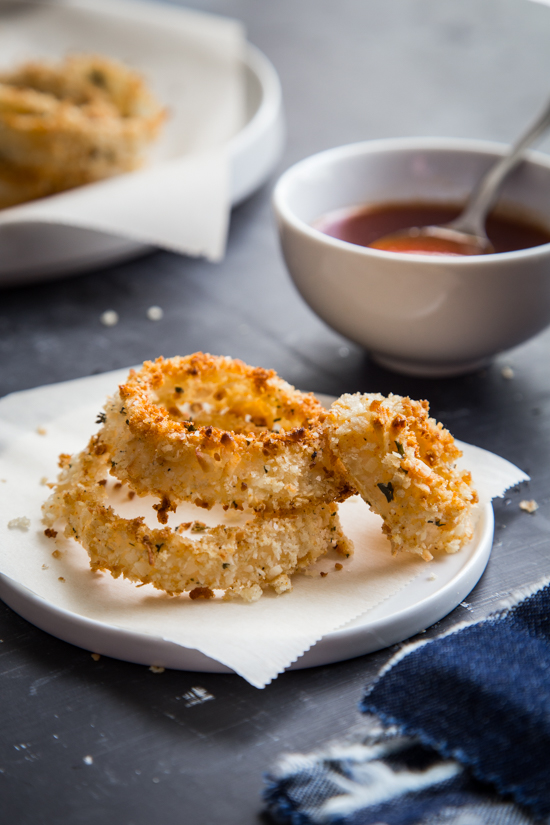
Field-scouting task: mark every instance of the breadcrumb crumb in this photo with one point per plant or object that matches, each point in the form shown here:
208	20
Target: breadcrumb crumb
20	523
96	657
41	431
155	313
529	506
88	760
109	318
507	372
156	669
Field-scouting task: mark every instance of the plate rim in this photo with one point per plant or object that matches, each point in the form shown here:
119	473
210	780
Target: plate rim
337	645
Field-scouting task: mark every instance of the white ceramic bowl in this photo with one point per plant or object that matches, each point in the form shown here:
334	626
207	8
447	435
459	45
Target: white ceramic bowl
430	316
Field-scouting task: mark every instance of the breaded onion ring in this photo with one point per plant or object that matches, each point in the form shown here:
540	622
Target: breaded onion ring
403	464
242	560
64	125
214	430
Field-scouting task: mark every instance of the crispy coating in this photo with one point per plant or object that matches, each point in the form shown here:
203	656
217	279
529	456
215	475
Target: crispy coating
65	125
214	430
241	560
403	464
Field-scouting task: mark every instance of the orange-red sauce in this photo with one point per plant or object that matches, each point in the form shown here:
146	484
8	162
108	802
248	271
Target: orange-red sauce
364	225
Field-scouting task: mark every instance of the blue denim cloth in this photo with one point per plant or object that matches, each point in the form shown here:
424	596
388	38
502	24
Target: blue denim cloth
464	735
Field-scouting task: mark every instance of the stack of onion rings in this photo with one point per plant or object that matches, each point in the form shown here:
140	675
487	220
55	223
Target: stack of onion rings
212	430
204	429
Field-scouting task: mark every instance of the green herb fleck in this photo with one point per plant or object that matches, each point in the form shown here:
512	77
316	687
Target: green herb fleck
198	527
225	565
265	469
400	449
314	455
98	78
101	418
178	389
387	490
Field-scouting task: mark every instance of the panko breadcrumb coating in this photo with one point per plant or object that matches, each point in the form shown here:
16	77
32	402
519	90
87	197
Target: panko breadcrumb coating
214	430
241	560
403	464
76	122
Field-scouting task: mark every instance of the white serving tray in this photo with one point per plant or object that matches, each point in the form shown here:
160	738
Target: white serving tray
428	592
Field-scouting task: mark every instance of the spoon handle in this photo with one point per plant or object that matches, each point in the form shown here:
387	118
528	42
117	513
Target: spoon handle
472	219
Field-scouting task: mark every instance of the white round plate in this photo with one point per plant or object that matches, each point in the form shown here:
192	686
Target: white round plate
31	252
411	610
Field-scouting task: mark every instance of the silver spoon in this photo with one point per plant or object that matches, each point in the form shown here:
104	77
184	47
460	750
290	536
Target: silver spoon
467	232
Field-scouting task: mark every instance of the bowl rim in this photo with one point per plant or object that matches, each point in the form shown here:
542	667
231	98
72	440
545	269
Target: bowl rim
387	146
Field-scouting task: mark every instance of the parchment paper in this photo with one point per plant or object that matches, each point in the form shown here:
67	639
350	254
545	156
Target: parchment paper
256	640
192	62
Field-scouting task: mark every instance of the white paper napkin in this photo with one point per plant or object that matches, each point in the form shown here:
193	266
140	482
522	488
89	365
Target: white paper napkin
256	640
192	62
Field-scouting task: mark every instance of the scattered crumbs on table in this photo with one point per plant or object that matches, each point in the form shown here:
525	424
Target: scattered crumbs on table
20	523
60	579
155	313
88	760
3	480
156	780
56	554
156	669
44	481
323	574
50	532
131	495
196	696
41	431
338	566
118	485
45	567
109	318
96	657
432	577
529	506
507	372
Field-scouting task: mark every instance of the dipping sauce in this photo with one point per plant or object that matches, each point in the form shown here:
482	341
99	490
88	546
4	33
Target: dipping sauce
367	224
